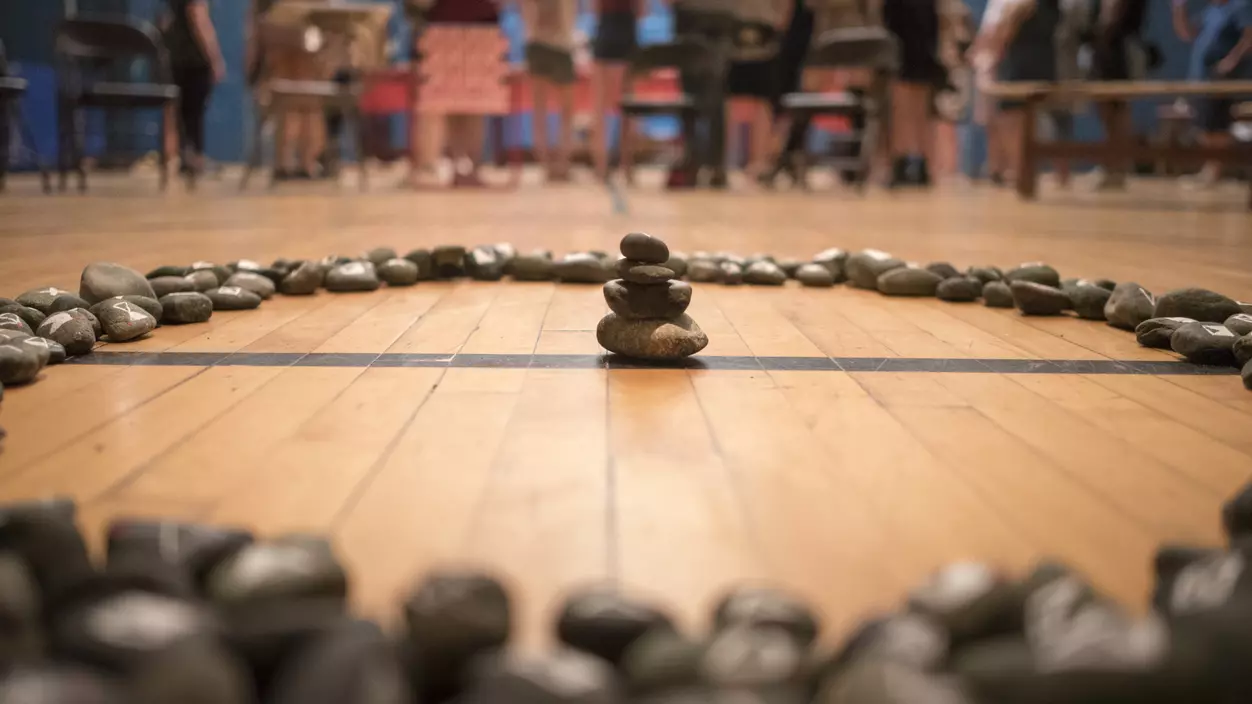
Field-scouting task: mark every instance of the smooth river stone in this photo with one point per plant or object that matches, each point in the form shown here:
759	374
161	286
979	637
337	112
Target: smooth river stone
677	263
1156	332
730	273
536	266
186	307
1130	305
909	281
352	277
233	298
959	289
638	272
256	283
814	275
1204	343
219	272
703	271
943	269
56	353
162	286
1089	300
102	280
1199	304
168	270
1243	349
1239	324
484	264
1038	299
19	364
1034	272
834	259
651	339
50	299
582	268
997	294
1246	374
70	331
864	267
151	305
764	273
11	321
304	280
425	263
378	255
644	248
985	274
123	322
28	315
637	301
202	280
398	272
448	261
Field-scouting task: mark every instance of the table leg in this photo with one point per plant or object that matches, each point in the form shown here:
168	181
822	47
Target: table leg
1027	171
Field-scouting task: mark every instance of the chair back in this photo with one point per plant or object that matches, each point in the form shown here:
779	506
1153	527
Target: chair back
687	54
4	61
98	40
857	47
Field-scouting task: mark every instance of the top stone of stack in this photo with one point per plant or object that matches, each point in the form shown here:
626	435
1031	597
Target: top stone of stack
644	248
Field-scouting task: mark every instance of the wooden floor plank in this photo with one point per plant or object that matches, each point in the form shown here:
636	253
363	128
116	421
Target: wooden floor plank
53	385
448	324
379	327
513	322
1008	326
245	328
1184	406
315	325
752	314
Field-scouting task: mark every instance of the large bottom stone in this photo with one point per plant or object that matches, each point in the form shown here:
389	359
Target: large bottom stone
651	339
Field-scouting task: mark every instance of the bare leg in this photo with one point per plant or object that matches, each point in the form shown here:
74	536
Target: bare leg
315	139
540	127
1116	121
761	138
1011	137
908	119
600	78
565	134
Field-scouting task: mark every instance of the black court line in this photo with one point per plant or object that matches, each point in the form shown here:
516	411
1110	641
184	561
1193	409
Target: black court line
592	361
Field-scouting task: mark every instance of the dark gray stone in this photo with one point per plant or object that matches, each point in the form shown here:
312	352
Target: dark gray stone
287	567
1089	300
583	268
483	264
1034	272
1240	324
186	307
425	263
1245	307
662	660
970	601
1204	343
73	332
38	346
1199	304
103	280
352	277
448	261
605	623
168	270
56	353
790	266
1130	305
354	661
10	321
997	294
123	322
378	255
640	301
815	276
730	273
1155	332
51	300
304	280
91	319
256	283
559	677
864	267
1038	299
165	285
908	638
766	607
753	659
49	683
677	263
1105	283
1247	376
651	339
638	272
959	289
703	271
506	253
245	265
151	305
536	266
233	298
644	248
220	272
19	364
28	315
834	259
398	272
875	681
943	269
909	281
1242	349
985	274
764	273
203	280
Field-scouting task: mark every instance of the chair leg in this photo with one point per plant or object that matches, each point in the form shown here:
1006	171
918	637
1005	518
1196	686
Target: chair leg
280	138
6	114
254	149
626	150
869	141
163	156
79	138
29	138
64	148
357	128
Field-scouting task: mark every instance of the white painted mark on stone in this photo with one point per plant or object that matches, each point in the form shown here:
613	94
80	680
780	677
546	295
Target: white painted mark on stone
1207	584
57	321
230	290
202	265
1242	317
353	269
1147	295
11	318
876	254
132	313
1181	320
1219	330
142	621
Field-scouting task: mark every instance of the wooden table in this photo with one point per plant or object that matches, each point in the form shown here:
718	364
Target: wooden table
1120	148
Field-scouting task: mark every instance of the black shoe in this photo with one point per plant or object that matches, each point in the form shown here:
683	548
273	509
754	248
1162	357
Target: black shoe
922	176
899	173
681	180
719	181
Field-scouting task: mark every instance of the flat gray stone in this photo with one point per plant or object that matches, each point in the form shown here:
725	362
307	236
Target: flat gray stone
997	294
11	321
583	268
28	315
1089	300
168	270
765	273
425	263
1156	332
943	269
50	299
484	264
256	283
639	301
378	255
1244	306
185	308
55	352
1038	299
123	322
814	276
790	266
102	280
703	271
19	364
448	261
202	280
834	259
221	273
864	267
638	272
151	305
91	319
1239	324
1130	305
304	280
677	263
536	266
959	289
73	332
562	676
1200	304
352	277
162	286
398	272
761	607
1035	272
506	253
644	248
233	298
730	273
1205	343
286	567
1247	376
1243	349
909	281
651	339
985	274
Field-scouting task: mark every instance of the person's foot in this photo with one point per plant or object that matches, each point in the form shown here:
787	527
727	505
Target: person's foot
921	173
680	179
997	179
1206	179
899	173
1102	180
719	181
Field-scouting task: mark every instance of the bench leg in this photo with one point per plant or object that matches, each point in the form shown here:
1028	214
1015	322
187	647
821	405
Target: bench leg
1027	172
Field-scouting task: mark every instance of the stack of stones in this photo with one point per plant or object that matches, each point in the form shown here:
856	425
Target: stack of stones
184	612
649	319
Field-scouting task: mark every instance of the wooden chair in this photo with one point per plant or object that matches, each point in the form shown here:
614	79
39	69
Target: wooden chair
12	88
871	48
86	46
285	95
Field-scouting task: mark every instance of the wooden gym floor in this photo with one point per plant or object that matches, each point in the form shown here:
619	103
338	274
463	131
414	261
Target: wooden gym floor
816	446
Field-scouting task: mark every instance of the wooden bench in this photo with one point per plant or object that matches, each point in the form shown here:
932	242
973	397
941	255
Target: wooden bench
1119	149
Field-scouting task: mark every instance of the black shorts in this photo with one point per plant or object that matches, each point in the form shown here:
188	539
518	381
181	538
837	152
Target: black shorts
1214	114
1111	60
550	63
615	37
753	79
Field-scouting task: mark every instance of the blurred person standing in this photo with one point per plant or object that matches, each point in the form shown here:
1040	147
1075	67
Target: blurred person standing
616	39
197	64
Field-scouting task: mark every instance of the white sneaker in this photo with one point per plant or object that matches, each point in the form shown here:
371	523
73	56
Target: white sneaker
1205	180
1102	180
